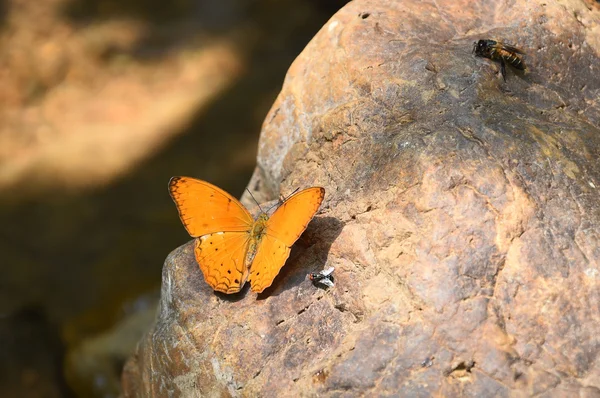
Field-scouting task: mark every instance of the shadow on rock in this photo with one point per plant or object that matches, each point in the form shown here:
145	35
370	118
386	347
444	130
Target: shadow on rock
232	298
309	254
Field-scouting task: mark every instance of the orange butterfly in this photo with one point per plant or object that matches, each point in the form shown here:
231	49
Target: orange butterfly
231	246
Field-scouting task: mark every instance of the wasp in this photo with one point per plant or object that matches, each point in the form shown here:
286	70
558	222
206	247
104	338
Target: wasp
498	51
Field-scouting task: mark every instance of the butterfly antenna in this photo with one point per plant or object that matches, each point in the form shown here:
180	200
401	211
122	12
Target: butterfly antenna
295	190
255	201
276	204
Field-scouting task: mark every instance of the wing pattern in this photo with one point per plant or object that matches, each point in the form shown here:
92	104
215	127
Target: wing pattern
206	209
221	257
271	256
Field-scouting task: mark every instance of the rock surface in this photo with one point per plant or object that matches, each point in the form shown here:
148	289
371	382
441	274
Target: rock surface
462	216
101	102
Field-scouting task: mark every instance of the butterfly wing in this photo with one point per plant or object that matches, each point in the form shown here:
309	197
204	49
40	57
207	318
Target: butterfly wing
292	217
222	227
205	209
270	257
221	256
283	229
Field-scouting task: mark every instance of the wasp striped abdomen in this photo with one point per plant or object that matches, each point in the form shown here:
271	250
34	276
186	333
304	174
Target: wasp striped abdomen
511	58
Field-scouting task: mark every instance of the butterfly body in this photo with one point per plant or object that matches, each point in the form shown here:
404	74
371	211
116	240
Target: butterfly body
260	227
231	246
256	235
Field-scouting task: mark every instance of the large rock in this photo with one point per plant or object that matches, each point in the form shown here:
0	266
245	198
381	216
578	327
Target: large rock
462	216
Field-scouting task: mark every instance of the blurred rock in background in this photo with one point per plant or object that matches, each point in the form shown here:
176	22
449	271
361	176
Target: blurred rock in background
31	356
100	103
94	366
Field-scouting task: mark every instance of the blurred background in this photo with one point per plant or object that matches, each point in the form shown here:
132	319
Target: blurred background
101	102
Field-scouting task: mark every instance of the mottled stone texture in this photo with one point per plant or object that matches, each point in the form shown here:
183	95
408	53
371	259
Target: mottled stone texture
462	216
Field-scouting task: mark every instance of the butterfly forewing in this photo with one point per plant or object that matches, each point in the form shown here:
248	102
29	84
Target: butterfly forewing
206	209
221	257
292	217
283	228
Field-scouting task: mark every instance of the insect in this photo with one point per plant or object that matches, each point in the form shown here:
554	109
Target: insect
427	362
499	51
231	246
324	277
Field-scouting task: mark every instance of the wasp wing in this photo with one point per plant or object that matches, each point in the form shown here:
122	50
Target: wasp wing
512	49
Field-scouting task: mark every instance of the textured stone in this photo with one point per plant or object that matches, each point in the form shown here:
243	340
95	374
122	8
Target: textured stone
461	215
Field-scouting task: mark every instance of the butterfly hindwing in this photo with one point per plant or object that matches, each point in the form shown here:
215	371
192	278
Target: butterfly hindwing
222	257
270	257
206	209
283	228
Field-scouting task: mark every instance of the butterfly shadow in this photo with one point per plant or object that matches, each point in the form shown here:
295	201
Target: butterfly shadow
232	298
308	254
